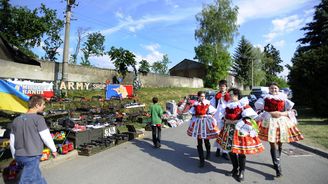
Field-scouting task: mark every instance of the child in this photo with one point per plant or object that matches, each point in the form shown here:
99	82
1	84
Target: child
156	113
219	101
202	126
239	133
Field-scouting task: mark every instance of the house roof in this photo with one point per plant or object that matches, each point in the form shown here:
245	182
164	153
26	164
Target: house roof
187	64
10	53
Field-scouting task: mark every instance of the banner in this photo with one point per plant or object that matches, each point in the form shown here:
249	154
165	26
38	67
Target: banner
30	88
11	98
118	91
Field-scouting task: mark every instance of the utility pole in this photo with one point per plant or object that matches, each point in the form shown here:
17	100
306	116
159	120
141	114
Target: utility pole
66	41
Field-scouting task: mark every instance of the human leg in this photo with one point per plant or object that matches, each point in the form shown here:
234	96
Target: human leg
275	155
242	163
159	133
234	162
153	131
208	148
31	172
200	152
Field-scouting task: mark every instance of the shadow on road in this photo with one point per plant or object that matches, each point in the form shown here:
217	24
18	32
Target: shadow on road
178	155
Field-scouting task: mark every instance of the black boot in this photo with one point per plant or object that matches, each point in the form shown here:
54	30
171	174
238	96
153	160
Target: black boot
242	162
275	155
201	156
208	149
234	161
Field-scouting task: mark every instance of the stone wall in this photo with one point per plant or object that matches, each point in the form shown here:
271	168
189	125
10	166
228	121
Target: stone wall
51	71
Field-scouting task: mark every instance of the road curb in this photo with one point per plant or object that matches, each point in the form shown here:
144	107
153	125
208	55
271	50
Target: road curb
311	149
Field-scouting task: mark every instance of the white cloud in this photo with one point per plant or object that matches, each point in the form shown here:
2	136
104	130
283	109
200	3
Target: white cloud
279	44
127	22
254	9
284	25
102	62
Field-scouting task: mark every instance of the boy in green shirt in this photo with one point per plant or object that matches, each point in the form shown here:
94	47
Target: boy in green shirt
156	113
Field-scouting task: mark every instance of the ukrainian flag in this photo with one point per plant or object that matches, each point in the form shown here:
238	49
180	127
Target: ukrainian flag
12	99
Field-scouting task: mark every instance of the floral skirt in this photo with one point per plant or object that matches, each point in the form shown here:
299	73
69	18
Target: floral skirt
281	129
203	128
240	138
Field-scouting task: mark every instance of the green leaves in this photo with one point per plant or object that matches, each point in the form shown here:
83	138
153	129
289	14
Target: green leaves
26	28
122	60
94	46
217	26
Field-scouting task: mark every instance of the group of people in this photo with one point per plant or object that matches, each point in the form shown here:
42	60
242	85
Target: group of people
227	118
239	130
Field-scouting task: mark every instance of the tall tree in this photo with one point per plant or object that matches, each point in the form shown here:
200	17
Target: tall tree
25	28
161	67
53	40
81	32
94	46
258	73
122	60
308	74
144	67
243	60
271	63
217	26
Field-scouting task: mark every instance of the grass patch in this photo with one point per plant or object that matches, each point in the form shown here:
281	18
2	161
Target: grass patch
314	129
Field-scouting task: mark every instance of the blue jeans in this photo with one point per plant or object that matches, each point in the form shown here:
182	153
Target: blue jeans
31	172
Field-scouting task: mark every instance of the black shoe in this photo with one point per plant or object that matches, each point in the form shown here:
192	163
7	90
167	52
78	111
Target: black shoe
233	173
201	163
158	145
241	176
225	156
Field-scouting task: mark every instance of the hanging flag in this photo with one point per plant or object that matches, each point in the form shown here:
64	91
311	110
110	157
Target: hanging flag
11	99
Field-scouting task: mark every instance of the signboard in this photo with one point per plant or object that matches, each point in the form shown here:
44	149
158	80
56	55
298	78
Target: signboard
118	91
30	88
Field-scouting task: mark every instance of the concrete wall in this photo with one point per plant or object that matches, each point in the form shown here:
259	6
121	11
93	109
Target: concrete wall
51	71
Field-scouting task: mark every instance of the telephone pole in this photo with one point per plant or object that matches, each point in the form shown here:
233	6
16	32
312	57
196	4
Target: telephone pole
66	40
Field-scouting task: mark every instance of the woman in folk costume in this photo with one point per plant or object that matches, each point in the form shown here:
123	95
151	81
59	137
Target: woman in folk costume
239	134
203	126
219	101
277	123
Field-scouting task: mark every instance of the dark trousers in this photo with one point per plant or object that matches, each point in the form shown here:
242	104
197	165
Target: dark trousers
156	132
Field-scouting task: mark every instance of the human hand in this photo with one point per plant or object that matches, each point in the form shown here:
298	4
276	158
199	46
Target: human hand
276	114
54	154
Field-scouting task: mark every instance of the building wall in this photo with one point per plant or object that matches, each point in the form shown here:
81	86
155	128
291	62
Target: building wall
51	71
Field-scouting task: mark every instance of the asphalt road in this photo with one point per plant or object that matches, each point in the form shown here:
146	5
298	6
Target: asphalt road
176	162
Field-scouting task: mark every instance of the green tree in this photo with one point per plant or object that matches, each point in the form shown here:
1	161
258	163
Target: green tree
243	59
258	73
217	26
25	28
308	74
144	67
94	46
122	60
161	67
53	40
271	63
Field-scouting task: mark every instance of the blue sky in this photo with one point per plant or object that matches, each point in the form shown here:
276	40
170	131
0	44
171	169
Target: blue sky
152	28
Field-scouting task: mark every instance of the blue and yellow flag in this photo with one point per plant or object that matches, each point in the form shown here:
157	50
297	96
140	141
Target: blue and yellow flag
11	99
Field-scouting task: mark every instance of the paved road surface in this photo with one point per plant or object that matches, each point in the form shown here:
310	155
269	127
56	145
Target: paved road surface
137	162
